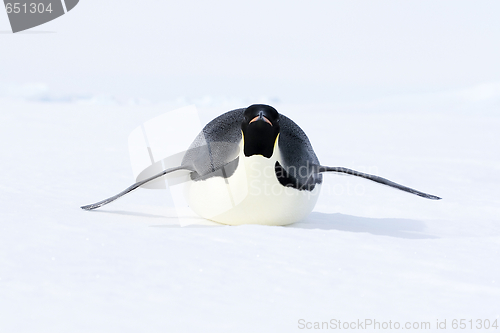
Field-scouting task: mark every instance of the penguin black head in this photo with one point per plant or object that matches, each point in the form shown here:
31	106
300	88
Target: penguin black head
260	129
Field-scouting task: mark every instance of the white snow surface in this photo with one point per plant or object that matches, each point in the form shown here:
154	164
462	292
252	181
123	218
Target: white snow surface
366	251
410	91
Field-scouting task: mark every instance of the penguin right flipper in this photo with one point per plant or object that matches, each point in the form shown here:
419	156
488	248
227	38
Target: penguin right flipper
133	187
377	179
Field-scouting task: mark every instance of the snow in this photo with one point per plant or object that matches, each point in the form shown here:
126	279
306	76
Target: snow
366	252
408	91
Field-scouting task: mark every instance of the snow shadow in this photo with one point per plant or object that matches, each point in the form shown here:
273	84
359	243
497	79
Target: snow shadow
393	227
122	212
169	221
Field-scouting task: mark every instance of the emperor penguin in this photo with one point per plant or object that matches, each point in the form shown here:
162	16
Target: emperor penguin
254	166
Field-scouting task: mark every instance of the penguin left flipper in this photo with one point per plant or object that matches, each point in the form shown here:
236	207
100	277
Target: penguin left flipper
214	149
133	187
377	179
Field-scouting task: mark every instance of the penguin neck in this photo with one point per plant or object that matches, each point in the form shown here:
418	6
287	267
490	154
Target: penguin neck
258	161
270	151
260	139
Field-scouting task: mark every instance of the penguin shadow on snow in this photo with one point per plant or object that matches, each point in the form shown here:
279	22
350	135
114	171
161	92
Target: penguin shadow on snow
170	221
392	227
122	212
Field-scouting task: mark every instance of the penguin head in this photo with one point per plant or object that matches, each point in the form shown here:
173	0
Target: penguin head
260	129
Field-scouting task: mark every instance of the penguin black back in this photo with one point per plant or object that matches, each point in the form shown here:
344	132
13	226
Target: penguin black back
217	146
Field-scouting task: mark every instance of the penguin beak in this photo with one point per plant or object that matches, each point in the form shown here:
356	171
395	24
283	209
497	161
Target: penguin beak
261	117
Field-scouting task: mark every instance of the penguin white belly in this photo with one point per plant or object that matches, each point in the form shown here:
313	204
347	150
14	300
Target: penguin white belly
251	195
